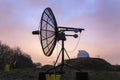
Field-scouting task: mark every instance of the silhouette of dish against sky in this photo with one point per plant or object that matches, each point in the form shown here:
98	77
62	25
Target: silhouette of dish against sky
49	34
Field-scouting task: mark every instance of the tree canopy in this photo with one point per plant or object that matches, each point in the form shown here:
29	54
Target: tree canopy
14	56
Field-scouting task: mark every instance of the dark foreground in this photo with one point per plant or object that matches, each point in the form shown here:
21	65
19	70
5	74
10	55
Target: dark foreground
32	74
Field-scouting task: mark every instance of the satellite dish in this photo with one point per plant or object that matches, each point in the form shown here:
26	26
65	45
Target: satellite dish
49	33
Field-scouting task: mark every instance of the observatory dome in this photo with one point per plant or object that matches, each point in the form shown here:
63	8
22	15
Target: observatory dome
82	54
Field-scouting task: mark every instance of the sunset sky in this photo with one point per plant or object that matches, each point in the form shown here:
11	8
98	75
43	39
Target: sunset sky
99	18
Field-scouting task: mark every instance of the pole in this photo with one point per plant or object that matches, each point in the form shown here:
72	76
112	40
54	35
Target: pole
62	55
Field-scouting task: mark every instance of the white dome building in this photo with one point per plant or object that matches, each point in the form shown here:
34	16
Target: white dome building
82	54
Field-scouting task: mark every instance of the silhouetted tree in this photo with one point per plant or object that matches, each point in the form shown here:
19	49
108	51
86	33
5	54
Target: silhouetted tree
14	56
22	59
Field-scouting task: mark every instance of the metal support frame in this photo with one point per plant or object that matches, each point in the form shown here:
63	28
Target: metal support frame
62	53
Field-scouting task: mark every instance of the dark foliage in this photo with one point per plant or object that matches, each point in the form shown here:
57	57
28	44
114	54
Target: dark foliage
14	56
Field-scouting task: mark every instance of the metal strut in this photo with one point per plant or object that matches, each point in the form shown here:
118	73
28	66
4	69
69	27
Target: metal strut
62	53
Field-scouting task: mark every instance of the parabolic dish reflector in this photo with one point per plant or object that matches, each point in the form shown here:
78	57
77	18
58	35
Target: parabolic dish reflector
48	31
